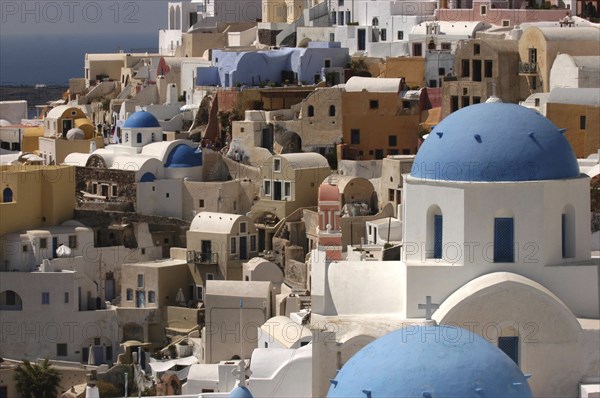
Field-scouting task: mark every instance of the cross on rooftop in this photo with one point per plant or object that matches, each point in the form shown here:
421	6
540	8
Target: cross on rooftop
429	307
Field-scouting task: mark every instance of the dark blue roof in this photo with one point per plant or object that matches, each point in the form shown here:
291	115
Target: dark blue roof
141	119
430	361
495	142
184	156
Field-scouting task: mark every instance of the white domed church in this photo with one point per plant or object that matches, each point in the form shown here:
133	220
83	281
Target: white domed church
496	228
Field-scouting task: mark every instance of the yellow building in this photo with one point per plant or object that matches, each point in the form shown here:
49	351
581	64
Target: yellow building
379	119
412	69
578	111
34	196
539	46
63	118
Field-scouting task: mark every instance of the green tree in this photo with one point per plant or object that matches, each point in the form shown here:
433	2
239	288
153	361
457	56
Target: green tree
37	380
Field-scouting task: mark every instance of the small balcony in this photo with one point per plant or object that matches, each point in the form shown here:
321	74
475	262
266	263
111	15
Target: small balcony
528	68
195	257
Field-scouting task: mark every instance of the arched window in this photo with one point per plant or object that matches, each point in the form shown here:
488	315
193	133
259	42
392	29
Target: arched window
139	138
151	296
375	21
568	232
332	110
434	240
504	237
311	111
10	301
7	195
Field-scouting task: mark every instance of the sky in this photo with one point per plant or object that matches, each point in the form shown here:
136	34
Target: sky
46	41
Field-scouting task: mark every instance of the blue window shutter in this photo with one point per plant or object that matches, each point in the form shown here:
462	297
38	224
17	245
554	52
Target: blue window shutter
437	236
510	346
504	237
564	235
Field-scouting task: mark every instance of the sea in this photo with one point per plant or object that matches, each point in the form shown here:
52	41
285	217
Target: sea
37	68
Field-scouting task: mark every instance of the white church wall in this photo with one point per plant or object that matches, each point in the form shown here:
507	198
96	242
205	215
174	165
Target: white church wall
424	196
354	295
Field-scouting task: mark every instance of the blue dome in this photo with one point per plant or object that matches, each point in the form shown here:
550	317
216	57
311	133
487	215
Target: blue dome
495	142
148	177
184	156
240	392
430	361
141	119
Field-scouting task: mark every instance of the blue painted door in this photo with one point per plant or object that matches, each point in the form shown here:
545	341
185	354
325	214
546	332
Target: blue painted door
437	236
7	195
362	40
504	235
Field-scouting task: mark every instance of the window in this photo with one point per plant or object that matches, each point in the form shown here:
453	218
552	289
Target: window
334	18
354	136
341	3
114	191
446	46
378	154
327	63
441	71
466	70
151	296
406	151
568	232
311	111
72	241
391	197
66	297
61	350
393	152
210	277
276	164
129	294
243	228
253	243
43	243
96	340
94	187
201	203
140	280
533	55
537	101
506	22
400	35
417	50
476	100
25	248
45	298
109	353
582	122
331	110
373	104
392	140
383	35
437	236
287	189
454	103
139	138
168	195
510	346
432	83
476	49
483	10
267	187
533	83
488	68
233	245
465	101
504	240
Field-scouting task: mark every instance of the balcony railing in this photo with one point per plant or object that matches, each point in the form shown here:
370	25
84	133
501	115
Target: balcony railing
202	258
528	68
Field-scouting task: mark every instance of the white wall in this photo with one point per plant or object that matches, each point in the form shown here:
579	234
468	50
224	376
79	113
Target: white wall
152	198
